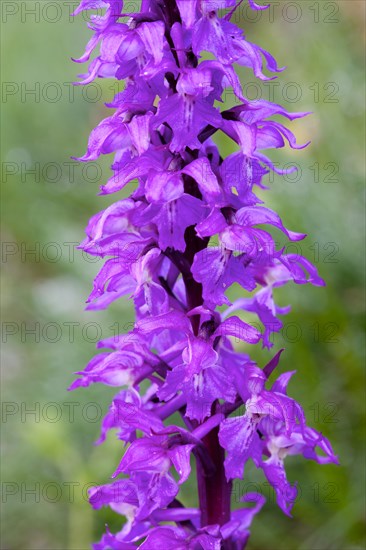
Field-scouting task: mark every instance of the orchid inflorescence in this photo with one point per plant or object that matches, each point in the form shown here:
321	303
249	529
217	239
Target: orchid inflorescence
190	229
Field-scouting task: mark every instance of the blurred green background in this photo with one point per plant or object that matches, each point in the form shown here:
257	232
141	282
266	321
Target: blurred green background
49	459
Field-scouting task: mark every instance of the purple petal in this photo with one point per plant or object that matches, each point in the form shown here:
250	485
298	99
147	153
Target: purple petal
109	135
236	327
175	217
239	438
114	494
152	36
146	455
301	270
187	116
257	215
200	170
237	529
285	492
174	320
180	457
214	223
209	268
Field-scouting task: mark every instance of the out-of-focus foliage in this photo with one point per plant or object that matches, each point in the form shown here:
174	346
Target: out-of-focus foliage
47	200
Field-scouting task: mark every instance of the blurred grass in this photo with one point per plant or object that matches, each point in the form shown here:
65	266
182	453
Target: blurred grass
323	337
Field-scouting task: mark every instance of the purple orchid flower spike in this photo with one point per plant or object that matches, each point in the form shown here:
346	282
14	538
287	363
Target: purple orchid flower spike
192	227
